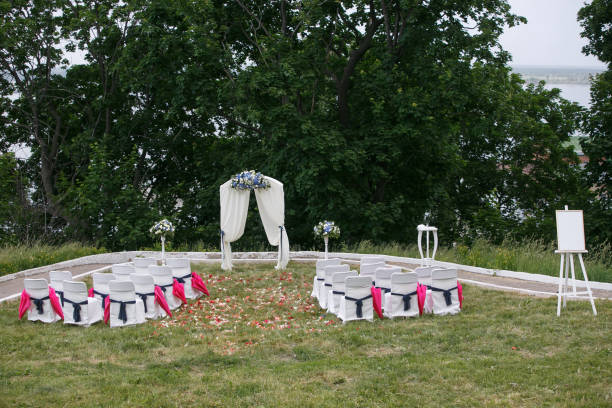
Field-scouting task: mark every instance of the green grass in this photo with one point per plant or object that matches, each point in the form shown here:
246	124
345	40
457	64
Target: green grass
15	258
528	256
260	341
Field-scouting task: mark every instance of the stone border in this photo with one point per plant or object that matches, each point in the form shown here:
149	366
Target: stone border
304	256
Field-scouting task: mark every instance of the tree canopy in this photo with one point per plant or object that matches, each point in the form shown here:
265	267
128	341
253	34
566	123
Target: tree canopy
370	113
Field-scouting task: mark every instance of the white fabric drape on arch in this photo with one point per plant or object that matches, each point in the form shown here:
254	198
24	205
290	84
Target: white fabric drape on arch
234	208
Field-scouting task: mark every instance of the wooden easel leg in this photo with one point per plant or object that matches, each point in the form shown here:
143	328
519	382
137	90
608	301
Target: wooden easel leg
586	282
560	284
571	259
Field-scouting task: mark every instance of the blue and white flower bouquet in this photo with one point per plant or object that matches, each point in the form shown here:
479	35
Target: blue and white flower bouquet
250	180
162	228
327	229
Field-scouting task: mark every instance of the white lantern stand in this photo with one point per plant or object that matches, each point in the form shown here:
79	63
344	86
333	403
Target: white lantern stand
163	256
570	238
326	239
427	260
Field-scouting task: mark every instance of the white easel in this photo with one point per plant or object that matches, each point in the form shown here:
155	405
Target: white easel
570	239
426	261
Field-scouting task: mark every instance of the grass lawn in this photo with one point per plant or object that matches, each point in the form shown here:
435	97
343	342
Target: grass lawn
259	340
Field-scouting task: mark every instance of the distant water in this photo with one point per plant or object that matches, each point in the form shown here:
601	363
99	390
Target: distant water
574	92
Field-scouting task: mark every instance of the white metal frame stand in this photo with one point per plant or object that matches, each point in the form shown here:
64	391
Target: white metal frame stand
426	261
567	265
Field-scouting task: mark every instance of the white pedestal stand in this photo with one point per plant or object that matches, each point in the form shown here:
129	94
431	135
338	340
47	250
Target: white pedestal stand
163	257
326	239
426	260
567	260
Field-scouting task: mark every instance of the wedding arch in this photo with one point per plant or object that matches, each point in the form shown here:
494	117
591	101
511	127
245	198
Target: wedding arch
234	195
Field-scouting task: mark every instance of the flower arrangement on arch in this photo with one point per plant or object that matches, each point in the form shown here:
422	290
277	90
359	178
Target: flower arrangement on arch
250	180
327	229
162	228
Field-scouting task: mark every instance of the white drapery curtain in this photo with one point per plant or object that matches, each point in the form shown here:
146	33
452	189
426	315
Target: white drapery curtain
234	208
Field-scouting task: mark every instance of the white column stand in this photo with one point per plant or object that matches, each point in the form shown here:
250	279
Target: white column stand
566	267
163	257
426	260
326	239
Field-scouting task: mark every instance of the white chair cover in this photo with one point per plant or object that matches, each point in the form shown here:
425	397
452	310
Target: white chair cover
319	277
162	276
383	277
234	208
144	287
123	271
79	309
142	264
370	270
56	279
403	300
325	289
39	289
338	290
424	274
181	270
371	259
357	301
125	308
100	285
444	291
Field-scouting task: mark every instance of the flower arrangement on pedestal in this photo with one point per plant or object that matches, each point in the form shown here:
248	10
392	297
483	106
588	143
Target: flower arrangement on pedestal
327	230
162	229
250	180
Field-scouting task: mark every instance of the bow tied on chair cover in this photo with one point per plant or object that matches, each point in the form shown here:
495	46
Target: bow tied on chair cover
76	309
446	293
405	298
358	304
144	296
102	295
122	308
61	295
39	303
182	278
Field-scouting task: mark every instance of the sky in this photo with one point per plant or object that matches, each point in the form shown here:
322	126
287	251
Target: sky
551	36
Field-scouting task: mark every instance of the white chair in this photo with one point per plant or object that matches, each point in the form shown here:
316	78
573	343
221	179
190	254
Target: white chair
162	276
123	271
142	264
40	309
125	308
444	291
325	289
403	300
383	278
319	277
357	301
100	285
337	290
144	285
78	308
424	274
181	270
56	279
370	270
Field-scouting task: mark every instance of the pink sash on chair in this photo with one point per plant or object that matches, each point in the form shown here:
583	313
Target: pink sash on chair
178	290
55	303
24	303
460	293
90	293
421	294
106	309
376	301
160	299
198	284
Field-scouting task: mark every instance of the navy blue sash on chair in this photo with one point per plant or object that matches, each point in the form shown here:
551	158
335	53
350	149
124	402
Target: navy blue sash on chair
383	289
103	295
39	303
122	311
61	295
163	287
446	292
76	309
144	296
182	278
358	304
406	298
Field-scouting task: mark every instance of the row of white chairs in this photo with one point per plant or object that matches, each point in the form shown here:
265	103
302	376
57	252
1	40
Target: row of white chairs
337	289
136	292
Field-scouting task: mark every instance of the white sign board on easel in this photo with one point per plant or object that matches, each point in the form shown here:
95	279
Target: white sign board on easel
570	241
570	230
